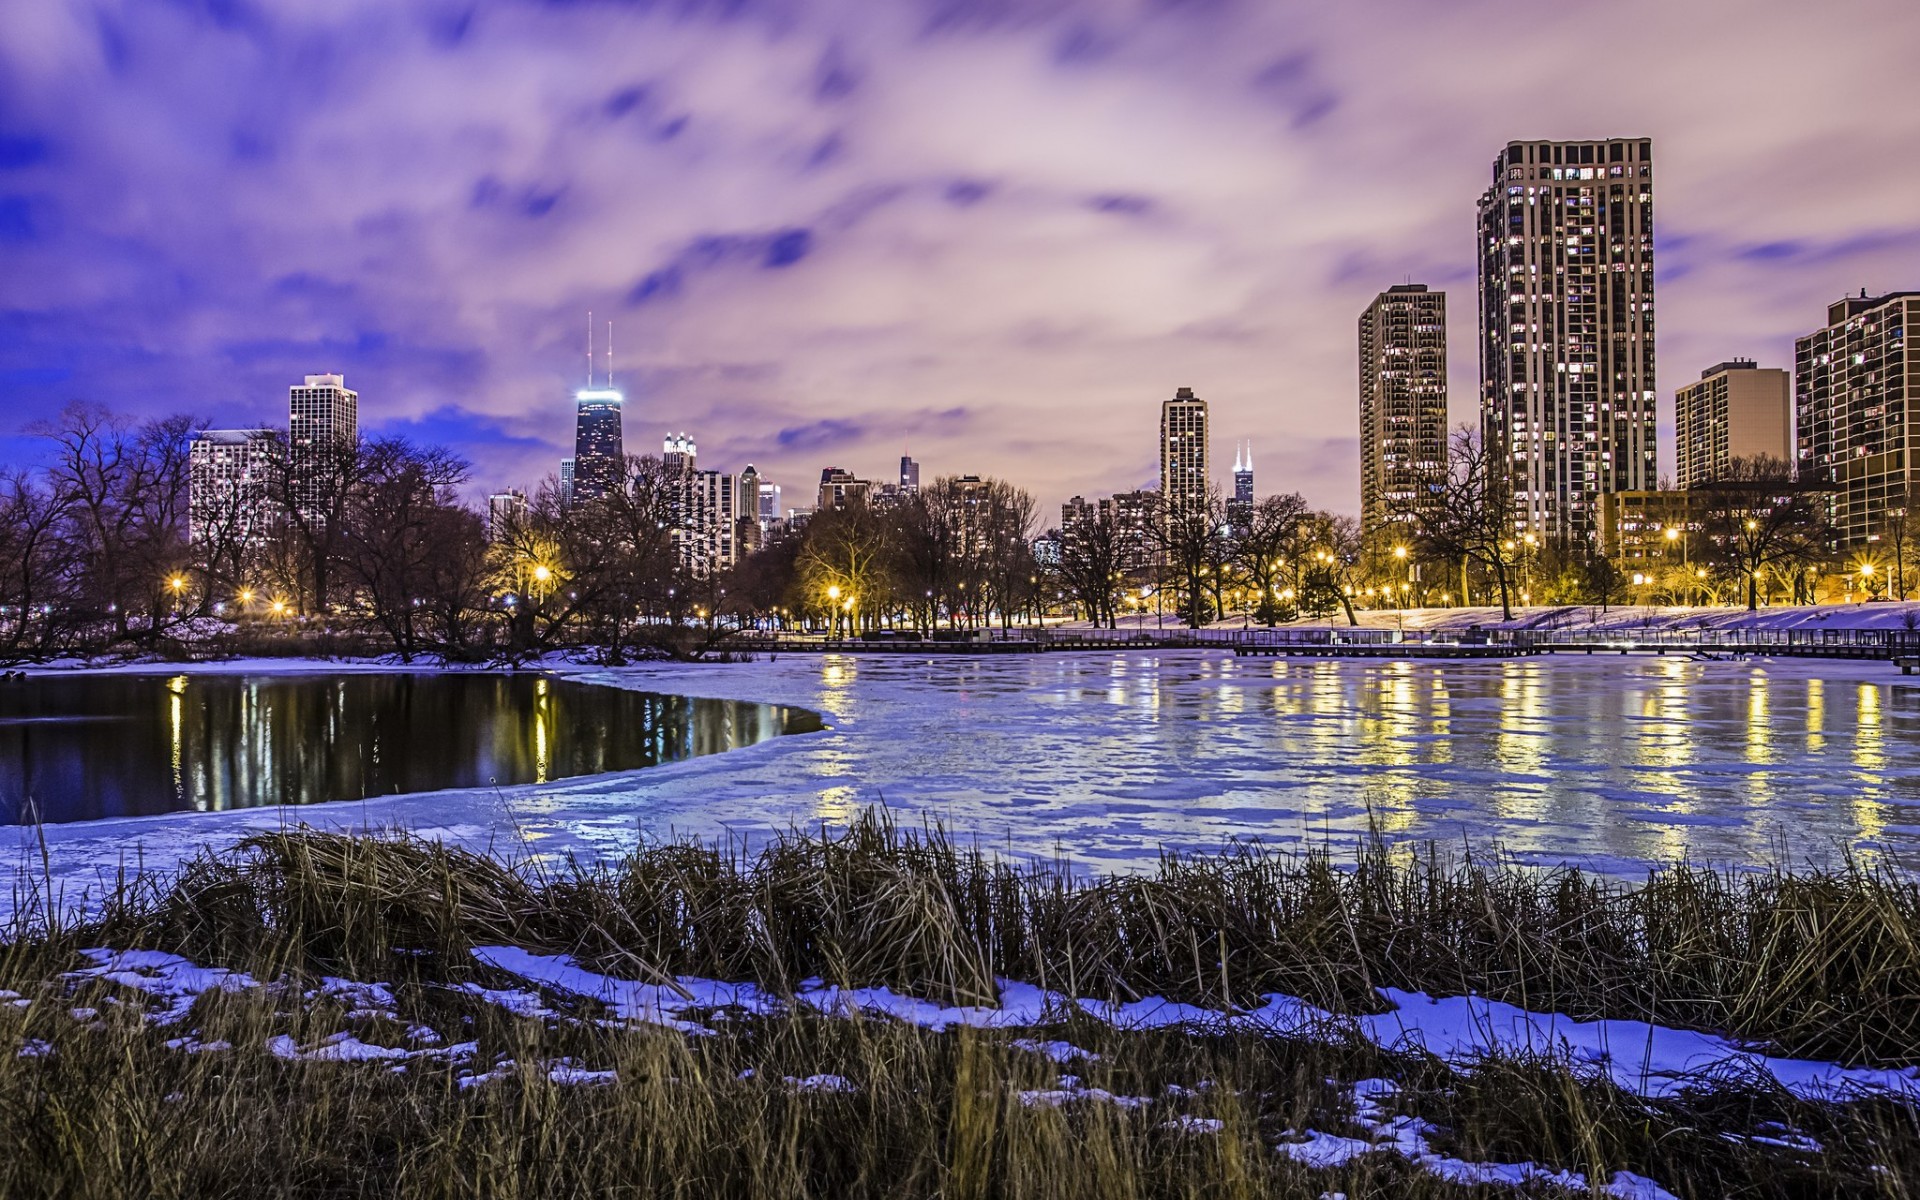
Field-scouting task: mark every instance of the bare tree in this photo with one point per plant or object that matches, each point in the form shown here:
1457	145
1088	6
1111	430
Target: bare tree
1465	515
1260	549
1763	521
398	539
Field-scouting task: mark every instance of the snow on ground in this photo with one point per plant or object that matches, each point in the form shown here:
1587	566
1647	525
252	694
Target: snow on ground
1609	762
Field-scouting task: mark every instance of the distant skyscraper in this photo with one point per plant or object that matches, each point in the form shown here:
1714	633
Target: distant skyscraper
909	475
839	488
1240	510
599	453
1183	454
1566	326
678	453
1403	400
1855	386
504	511
1736	410
323	417
566	480
227	475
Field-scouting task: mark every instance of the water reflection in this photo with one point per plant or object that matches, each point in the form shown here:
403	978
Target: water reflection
83	747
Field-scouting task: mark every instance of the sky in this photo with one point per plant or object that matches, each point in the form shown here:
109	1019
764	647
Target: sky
993	233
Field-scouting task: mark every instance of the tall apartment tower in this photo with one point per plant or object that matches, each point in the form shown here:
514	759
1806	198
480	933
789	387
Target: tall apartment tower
1737	410
1854	386
323	417
227	486
1403	401
909	476
1566	327
1183	454
599	452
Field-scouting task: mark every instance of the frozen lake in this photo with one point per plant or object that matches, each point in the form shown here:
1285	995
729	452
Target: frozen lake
1615	762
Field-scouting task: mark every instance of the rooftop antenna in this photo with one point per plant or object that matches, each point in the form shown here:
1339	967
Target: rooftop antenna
589	349
609	355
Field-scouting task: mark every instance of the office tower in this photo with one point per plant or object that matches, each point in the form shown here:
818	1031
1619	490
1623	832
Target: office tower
677	453
505	512
1854	386
566	480
1736	411
1566	327
748	532
1183	455
1403	403
769	504
1243	475
324	423
840	488
909	475
599	453
228	470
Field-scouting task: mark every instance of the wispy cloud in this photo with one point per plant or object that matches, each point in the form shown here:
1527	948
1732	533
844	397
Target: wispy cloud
821	224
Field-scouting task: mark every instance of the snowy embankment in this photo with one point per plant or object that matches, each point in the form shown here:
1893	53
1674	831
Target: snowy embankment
1642	1060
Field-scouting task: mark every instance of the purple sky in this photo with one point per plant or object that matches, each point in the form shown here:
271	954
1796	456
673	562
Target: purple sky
997	232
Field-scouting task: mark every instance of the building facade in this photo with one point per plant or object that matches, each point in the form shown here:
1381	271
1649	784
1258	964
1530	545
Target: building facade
839	488
1403	402
1737	410
505	511
909	476
1567	327
1184	471
599	450
228	496
323	420
1854	386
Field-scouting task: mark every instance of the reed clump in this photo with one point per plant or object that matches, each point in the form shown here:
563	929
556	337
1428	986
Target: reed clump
1815	964
239	1095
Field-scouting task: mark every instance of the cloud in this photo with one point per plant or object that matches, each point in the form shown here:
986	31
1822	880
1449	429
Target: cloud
821	224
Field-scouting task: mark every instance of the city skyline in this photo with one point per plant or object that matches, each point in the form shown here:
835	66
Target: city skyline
1197	197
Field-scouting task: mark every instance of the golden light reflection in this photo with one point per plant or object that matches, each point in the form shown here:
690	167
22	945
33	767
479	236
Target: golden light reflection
1816	714
1869	813
176	721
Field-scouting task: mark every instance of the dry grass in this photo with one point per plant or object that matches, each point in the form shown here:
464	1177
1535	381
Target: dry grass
1822	965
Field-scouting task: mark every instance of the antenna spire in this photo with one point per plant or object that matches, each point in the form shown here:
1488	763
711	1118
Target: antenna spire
609	354
589	348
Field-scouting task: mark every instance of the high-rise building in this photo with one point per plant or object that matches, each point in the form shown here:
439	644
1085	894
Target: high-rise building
505	510
909	475
840	488
748	532
228	500
1855	382
599	452
1183	455
1737	410
1240	508
1566	327
324	418
678	452
566	480
1403	402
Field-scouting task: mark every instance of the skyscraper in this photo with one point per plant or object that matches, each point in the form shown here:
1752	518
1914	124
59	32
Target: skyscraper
566	479
227	475
324	419
1183	455
505	510
1737	410
1566	327
599	454
1854	387
909	475
1240	510
1403	401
